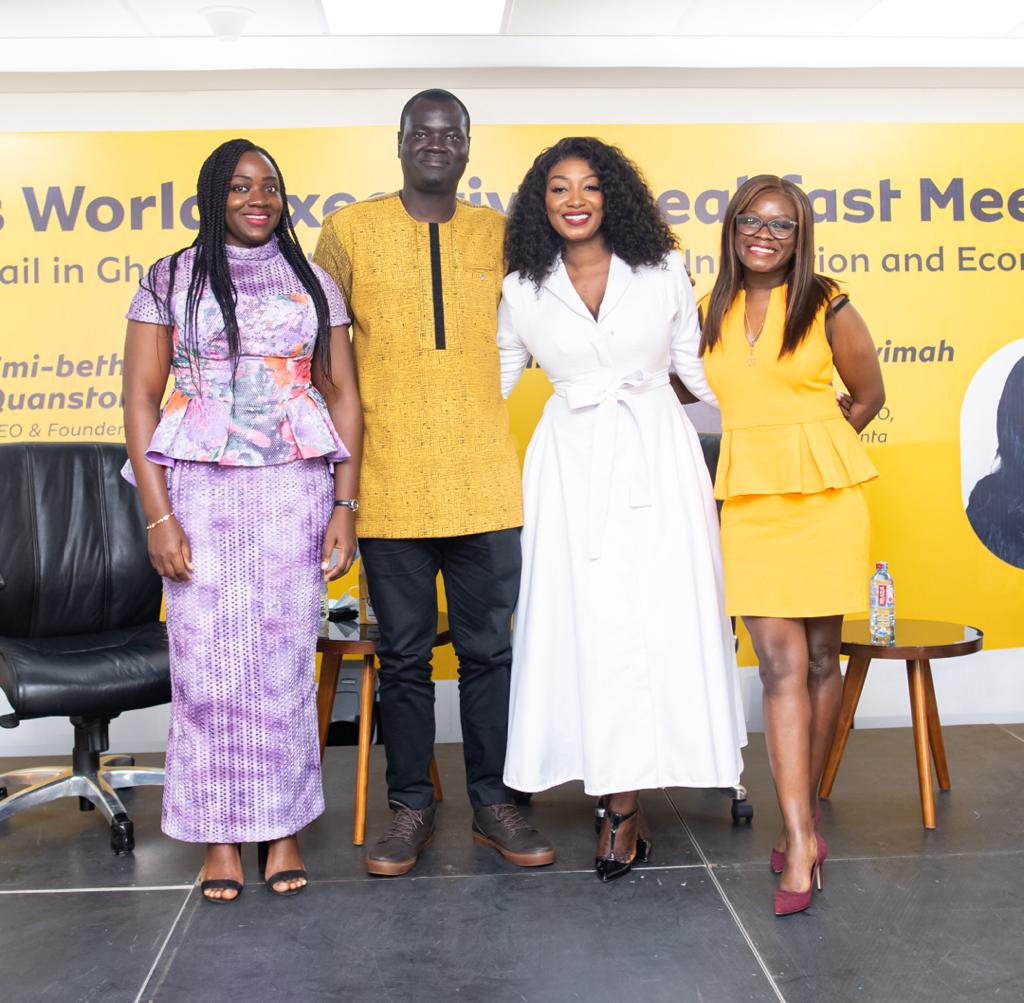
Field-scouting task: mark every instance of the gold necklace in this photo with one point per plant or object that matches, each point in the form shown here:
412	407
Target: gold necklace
752	338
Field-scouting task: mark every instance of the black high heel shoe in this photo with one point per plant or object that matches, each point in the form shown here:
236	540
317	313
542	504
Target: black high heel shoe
226	883
608	868
263	851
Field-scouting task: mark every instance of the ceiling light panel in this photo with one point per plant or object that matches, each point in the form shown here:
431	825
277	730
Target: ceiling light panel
413	17
684	17
941	19
155	18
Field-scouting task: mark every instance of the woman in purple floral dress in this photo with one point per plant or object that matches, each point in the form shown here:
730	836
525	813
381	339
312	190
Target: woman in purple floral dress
235	480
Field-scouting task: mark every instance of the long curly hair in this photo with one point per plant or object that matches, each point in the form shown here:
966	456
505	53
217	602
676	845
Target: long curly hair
632	227
210	264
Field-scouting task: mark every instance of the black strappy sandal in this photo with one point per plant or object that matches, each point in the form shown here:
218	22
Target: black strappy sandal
228	883
272	879
608	868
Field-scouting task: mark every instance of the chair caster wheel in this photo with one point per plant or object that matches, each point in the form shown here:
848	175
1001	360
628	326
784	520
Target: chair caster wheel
742	812
122	835
521	797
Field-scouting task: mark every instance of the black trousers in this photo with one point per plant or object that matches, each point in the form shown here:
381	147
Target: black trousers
481	581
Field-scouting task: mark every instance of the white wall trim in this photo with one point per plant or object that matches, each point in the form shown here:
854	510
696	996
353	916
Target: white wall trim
250	110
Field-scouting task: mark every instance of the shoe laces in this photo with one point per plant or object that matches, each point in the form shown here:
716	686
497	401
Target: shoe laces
405	823
509	816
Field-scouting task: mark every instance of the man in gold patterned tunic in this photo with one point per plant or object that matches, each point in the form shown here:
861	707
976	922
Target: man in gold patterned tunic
421	271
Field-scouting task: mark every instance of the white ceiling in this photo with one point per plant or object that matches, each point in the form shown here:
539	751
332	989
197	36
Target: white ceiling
57	36
619	18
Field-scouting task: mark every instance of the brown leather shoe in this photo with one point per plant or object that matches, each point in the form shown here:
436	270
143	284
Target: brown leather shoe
502	827
397	851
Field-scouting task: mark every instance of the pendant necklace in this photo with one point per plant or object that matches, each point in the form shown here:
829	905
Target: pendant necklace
752	338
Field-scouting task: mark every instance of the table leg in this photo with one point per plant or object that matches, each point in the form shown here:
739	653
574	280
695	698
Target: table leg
919	714
853	684
435	779
935	729
327	687
369	681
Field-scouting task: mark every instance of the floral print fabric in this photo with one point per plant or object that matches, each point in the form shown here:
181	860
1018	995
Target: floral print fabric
257	410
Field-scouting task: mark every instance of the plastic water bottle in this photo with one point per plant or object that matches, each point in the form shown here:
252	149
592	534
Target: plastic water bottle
325	610
366	613
883	606
325	601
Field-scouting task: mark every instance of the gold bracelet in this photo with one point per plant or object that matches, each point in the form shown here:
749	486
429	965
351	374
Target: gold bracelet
163	518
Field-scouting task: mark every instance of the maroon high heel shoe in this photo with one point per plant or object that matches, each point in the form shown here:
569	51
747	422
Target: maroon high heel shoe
788	903
777	858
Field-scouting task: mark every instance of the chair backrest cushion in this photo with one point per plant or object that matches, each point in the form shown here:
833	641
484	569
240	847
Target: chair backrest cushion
73	555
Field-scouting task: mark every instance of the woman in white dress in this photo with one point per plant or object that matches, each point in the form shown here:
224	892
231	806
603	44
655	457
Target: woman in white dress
623	671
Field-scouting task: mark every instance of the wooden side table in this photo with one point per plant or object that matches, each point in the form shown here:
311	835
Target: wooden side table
350	638
917	642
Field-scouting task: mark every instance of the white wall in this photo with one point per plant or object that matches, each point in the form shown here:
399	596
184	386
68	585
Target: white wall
986	687
284	99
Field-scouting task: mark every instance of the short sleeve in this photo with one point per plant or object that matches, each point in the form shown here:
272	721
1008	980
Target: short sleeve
149	304
335	301
331	256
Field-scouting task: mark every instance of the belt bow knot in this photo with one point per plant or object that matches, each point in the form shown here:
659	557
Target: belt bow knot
613	396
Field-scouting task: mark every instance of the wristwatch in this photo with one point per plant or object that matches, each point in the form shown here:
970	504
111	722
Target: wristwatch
352	503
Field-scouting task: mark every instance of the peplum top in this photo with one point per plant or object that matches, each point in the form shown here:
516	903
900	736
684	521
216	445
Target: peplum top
260	409
782	430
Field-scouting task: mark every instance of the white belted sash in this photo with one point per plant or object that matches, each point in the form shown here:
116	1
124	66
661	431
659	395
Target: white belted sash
612	396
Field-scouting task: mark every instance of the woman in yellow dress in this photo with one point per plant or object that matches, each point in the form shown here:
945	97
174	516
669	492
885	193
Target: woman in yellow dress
795	530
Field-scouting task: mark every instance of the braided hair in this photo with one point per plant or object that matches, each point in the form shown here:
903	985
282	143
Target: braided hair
210	265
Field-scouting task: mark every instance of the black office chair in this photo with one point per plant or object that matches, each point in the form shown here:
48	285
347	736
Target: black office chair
79	629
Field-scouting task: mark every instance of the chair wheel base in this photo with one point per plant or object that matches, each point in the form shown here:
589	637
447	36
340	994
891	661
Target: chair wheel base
122	835
742	812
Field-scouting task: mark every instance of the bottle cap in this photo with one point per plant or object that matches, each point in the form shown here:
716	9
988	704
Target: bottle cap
882	566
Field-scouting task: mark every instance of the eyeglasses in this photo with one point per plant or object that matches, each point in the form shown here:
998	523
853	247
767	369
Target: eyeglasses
749	225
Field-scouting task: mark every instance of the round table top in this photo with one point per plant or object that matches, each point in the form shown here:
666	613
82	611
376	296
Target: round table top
915	639
349	637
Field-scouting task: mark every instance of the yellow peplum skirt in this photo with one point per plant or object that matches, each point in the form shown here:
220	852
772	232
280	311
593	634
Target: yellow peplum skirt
797	555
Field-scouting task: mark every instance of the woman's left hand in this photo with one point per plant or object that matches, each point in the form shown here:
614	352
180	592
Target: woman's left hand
340	536
845	402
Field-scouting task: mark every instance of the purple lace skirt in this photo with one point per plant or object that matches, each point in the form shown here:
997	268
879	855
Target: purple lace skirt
243	761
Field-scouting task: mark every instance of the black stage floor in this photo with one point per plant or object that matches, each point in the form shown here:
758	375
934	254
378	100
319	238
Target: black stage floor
906	915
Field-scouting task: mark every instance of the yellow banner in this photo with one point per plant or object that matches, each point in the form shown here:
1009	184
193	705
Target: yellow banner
922	223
